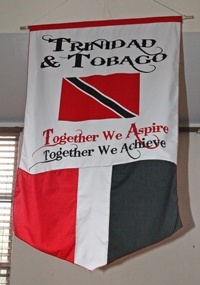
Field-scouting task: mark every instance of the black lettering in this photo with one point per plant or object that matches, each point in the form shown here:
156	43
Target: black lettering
117	44
147	43
143	59
104	149
78	59
76	45
58	41
159	57
98	61
134	43
112	61
49	62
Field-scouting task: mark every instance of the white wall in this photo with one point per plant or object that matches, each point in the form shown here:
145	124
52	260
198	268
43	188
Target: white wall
16	13
172	262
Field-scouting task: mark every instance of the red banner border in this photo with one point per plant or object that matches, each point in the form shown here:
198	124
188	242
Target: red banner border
99	23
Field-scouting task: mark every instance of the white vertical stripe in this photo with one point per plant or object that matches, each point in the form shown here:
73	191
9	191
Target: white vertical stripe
93	211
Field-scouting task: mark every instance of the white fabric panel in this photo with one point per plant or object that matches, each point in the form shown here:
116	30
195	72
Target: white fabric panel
93	217
145	49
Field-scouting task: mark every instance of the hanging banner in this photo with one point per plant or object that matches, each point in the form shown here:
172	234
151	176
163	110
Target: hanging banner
97	176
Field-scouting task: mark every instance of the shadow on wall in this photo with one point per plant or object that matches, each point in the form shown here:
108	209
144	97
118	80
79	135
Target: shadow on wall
183	153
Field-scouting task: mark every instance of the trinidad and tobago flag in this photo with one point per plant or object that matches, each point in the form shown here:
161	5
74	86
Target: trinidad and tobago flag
100	97
97	174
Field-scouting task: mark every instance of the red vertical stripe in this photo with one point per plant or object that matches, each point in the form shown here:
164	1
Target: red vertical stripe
45	211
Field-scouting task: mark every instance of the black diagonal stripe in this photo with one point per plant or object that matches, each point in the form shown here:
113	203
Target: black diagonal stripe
101	98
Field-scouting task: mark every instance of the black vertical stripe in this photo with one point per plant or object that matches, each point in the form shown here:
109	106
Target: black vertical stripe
143	207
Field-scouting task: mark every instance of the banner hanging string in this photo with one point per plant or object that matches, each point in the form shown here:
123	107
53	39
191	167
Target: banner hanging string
27	27
183	16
